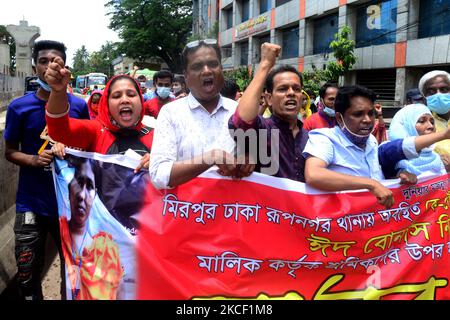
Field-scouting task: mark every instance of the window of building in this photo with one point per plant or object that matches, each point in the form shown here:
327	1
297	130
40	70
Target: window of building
434	18
244	54
258	41
228	15
324	30
264	6
245	10
281	2
226	51
376	23
382	81
290	43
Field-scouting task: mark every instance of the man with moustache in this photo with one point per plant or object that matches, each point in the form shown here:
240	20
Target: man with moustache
192	133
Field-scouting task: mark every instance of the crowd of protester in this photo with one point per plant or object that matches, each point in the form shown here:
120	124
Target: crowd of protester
337	141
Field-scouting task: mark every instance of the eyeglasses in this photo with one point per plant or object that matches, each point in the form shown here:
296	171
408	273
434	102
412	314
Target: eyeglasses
196	43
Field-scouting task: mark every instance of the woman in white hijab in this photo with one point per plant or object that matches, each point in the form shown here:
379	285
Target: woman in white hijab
416	120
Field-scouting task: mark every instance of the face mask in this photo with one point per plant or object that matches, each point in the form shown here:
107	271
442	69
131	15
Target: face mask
356	139
329	112
44	85
163	92
176	89
439	103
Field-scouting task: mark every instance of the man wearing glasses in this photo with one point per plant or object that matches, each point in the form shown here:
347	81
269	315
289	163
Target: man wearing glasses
192	132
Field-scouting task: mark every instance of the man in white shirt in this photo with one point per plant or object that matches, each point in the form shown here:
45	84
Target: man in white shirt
192	133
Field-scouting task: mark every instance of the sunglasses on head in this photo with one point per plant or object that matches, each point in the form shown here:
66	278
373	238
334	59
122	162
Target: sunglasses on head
196	43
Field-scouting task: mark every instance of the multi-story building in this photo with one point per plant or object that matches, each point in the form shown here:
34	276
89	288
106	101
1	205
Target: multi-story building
397	41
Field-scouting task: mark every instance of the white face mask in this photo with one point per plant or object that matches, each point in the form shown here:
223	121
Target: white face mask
176	89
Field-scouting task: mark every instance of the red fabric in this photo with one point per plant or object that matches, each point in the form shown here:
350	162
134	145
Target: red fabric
380	132
92	135
316	121
201	239
153	106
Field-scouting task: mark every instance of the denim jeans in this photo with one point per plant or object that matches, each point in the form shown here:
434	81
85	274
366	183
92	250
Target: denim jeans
30	235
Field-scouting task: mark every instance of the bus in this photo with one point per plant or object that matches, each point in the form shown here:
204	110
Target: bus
88	81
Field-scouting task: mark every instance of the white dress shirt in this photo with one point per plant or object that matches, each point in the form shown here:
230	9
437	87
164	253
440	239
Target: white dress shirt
185	129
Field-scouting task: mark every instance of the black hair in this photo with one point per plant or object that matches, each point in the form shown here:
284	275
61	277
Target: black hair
179	79
124	76
48	45
324	88
280	69
230	88
188	51
162	74
345	94
310	93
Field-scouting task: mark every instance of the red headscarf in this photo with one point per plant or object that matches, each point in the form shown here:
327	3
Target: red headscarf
94	114
103	109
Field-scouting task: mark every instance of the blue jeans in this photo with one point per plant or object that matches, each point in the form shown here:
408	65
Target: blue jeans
31	234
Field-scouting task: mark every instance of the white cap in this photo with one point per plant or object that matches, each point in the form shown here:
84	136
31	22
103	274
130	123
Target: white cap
430	75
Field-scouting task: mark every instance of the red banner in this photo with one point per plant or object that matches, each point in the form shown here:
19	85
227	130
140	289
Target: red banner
264	238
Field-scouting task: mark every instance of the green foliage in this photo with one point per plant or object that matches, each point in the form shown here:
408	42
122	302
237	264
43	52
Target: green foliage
5	37
152	28
98	61
241	75
343	50
313	80
81	62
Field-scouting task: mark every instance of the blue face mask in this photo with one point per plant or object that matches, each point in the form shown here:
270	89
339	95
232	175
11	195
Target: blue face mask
439	103
329	112
44	85
163	92
356	139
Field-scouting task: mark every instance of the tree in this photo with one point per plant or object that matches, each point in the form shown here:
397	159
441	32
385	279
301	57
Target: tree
81	62
5	37
152	28
343	50
242	76
101	61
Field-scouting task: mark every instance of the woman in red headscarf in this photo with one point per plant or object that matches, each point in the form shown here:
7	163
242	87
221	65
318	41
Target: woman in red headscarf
118	126
94	100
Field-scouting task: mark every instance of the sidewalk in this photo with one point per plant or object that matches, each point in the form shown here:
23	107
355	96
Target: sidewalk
51	282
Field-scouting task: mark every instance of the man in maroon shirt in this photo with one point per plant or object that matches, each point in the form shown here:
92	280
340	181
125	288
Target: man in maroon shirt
324	118
281	134
163	82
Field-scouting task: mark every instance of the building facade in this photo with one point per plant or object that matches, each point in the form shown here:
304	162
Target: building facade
397	41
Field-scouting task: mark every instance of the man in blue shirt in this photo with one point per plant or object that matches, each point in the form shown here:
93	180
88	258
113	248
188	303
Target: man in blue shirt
36	204
347	157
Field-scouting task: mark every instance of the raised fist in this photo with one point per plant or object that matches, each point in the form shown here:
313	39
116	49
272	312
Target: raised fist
57	76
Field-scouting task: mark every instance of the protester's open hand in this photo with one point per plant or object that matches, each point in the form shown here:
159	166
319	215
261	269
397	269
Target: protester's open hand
383	194
378	109
57	76
446	160
144	163
269	54
43	159
407	178
58	149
